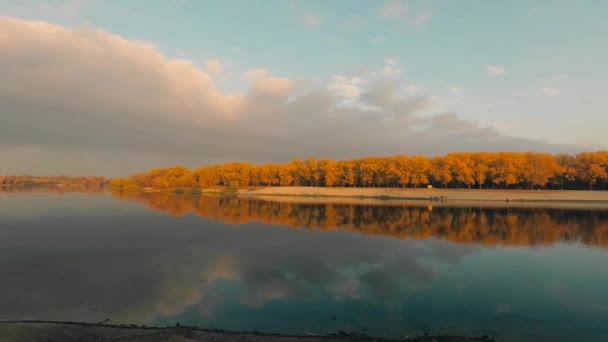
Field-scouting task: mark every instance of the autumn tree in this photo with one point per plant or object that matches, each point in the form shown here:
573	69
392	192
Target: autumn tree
368	170
391	172
506	169
287	174
312	174
123	184
256	175
179	177
441	170
591	167
502	169
403	168
539	168
330	171
236	174
419	167
208	176
480	166
462	170
347	172
567	172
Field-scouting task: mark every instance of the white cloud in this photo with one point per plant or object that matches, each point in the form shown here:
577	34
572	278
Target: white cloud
413	89
392	9
350	87
548	91
255	74
83	92
392	69
456	90
495	70
415	16
214	67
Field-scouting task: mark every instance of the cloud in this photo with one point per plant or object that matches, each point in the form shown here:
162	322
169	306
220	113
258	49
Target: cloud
415	16
312	20
86	101
456	90
304	15
392	9
548	91
278	87
392	69
166	275
503	309
495	71
214	67
255	74
346	86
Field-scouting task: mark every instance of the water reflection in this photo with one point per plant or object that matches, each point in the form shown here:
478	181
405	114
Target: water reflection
133	265
412	220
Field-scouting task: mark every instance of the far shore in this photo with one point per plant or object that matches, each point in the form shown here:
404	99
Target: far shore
580	198
439	195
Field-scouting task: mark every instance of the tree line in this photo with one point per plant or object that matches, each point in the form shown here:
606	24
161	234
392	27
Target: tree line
482	170
73	183
490	226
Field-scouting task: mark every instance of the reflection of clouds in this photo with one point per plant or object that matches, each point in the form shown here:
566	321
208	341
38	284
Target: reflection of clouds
176	299
556	287
134	268
137	266
460	287
347	287
503	309
224	267
367	268
268	289
582	299
450	253
184	287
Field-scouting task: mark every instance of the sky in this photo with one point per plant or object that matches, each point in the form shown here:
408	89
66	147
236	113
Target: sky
116	87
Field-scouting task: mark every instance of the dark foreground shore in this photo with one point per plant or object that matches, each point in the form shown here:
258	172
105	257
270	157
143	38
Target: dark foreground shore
21	331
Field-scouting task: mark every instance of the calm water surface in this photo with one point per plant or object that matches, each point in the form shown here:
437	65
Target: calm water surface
383	268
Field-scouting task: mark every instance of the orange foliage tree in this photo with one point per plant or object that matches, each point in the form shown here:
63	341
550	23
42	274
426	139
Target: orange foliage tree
489	170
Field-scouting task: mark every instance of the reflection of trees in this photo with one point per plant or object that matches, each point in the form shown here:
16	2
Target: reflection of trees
492	226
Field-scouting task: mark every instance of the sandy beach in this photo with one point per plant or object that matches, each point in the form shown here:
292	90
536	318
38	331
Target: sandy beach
437	194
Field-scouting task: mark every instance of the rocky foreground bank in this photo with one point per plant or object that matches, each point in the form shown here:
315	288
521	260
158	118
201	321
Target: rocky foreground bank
85	332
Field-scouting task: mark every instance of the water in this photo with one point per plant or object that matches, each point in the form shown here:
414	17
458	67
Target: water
379	267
